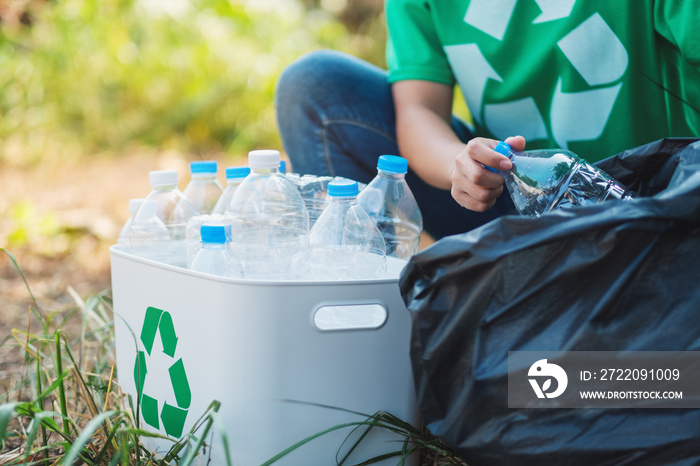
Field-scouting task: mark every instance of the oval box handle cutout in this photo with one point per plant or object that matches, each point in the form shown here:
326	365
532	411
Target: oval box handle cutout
350	317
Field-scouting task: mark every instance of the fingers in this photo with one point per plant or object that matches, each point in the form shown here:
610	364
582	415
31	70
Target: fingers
516	142
481	151
476	199
473	185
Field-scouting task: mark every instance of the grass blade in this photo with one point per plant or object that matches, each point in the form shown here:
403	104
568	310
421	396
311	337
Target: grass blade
307	440
30	410
124	447
36	423
190	456
108	440
52	387
6	412
21	274
221	429
175	449
84	437
40	403
61	386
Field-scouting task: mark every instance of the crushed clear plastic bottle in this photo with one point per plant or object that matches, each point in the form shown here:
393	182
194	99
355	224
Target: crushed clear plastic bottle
269	221
345	242
548	179
123	238
314	191
203	190
390	203
215	257
158	227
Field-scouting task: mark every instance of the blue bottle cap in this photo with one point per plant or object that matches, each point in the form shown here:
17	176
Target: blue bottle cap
215	234
503	148
392	163
203	167
343	188
283	166
237	172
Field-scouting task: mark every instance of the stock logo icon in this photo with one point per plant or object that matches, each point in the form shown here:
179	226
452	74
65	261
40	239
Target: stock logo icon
544	371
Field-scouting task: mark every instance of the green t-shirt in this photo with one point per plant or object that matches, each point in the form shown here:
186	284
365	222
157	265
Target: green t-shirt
594	76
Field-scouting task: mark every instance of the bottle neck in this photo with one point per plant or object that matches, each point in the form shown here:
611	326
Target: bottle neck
265	171
505	149
234	181
164	187
391	175
510	154
203	176
342	200
213	245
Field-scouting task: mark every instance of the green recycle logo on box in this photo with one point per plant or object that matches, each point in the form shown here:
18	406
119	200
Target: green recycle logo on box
173	417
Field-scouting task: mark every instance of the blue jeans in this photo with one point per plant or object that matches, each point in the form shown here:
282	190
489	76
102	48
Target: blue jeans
336	117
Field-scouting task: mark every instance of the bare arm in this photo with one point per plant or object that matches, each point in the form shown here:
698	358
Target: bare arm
423	113
435	153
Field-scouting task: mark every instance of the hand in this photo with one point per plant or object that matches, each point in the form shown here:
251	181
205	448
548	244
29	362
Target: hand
474	186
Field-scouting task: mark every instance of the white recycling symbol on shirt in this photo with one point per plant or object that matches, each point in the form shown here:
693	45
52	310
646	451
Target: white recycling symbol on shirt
593	50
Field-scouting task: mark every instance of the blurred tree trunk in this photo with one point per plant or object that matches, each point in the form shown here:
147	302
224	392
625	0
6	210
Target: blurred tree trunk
359	12
355	14
14	13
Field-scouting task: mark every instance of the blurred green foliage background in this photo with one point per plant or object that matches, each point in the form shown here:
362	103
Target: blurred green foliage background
82	77
94	93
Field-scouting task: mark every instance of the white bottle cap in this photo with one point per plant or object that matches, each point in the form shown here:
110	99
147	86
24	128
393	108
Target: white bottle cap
163	177
263	159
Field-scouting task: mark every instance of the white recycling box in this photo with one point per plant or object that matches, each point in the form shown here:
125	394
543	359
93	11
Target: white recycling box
286	359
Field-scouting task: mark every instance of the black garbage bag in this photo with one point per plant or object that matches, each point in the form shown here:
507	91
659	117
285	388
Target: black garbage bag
616	276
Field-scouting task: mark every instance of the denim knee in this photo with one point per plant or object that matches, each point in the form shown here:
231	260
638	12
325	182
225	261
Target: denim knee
313	74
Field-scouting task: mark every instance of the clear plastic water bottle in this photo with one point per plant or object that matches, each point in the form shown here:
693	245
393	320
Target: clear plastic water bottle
547	179
345	242
215	257
269	221
123	239
193	236
158	226
204	189
390	203
234	177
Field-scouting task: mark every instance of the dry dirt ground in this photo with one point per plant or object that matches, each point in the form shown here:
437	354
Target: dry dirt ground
88	200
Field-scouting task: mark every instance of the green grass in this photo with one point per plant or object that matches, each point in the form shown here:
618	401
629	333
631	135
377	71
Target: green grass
65	405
